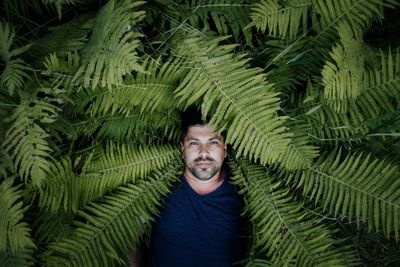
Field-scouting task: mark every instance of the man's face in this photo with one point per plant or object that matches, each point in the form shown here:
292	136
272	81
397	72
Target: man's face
203	152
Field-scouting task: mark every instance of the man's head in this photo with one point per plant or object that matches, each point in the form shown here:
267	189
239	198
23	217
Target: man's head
203	149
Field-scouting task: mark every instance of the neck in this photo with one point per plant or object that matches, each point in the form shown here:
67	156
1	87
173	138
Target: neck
204	187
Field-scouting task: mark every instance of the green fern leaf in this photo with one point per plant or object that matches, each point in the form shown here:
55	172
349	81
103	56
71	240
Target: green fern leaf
147	92
66	38
22	258
357	187
360	13
15	237
343	78
14	75
120	164
299	152
111	53
114	224
281	19
241	101
285	232
26	139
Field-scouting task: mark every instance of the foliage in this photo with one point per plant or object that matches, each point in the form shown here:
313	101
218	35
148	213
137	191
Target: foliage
90	97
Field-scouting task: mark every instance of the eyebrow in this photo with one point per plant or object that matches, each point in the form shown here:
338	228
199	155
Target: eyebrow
212	138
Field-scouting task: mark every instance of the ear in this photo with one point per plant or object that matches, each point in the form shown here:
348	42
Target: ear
181	146
225	150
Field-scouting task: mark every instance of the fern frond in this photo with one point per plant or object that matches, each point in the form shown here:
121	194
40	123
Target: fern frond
14	75
22	258
242	102
58	4
285	20
60	189
299	152
114	224
359	13
227	17
61	69
27	141
120	164
143	128
15	236
343	78
284	230
15	71
52	226
356	187
111	52
148	92
66	38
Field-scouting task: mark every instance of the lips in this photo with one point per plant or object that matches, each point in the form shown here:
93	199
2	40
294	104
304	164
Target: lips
203	164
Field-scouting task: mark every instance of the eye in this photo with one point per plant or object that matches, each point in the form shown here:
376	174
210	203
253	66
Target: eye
214	142
193	143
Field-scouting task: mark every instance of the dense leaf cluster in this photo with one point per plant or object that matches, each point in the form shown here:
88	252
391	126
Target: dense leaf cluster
90	97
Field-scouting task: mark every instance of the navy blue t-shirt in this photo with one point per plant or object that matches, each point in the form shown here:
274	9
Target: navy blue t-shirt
198	230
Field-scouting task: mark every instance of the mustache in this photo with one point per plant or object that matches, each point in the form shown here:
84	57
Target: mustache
207	158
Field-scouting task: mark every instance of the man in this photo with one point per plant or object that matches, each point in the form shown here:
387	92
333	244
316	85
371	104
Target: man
200	223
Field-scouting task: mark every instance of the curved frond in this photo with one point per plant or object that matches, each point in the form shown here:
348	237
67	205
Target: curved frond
227	17
15	71
59	4
358	12
111	51
299	152
356	187
60	189
143	128
241	101
148	92
65	38
285	20
22	258
343	78
15	234
285	232
114	224
26	139
14	75
120	164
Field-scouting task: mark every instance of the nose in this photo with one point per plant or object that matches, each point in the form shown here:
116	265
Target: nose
203	151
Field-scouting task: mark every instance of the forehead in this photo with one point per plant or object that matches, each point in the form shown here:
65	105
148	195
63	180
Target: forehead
201	131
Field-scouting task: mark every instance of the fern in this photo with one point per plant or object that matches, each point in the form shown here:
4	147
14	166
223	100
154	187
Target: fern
343	79
143	128
359	13
27	139
120	164
15	237
299	152
15	73
224	16
65	38
285	19
60	189
58	4
224	84
284	231
111	51
357	187
147	92
107	235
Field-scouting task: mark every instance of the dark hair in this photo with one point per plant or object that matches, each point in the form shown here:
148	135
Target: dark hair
190	117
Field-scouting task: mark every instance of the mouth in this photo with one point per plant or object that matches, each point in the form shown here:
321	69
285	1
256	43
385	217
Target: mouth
203	164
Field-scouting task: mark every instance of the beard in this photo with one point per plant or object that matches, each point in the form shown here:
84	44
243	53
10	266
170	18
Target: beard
203	174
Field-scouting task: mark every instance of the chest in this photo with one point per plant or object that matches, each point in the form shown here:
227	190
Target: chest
191	220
